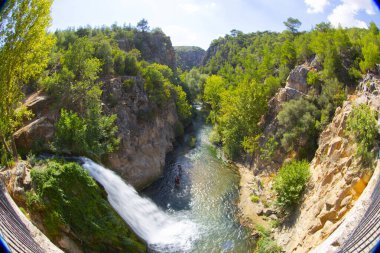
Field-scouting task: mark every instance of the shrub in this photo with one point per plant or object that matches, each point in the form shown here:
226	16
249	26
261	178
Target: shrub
290	182
312	78
266	244
71	133
92	136
254	198
362	124
298	126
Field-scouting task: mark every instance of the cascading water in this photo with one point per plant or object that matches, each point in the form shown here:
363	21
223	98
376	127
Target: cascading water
162	231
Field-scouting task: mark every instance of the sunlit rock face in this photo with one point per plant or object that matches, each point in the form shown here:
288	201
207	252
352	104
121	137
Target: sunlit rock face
337	178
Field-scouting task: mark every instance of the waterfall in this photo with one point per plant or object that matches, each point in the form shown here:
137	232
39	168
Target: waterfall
162	231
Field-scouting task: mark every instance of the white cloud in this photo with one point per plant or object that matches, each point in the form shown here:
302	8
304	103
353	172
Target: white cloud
345	14
316	6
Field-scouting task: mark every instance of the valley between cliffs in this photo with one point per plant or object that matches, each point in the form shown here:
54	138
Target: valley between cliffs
333	197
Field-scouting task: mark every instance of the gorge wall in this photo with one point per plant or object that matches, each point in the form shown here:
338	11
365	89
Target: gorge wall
146	133
337	179
188	57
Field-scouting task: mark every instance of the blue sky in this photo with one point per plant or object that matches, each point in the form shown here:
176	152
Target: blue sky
198	22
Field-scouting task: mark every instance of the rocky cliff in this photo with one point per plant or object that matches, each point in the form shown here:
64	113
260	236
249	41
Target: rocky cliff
189	57
295	88
337	179
154	46
146	133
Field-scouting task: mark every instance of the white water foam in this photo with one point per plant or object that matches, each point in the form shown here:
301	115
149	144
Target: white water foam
163	232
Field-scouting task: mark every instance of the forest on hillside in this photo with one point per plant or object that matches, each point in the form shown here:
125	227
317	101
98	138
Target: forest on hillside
243	71
236	83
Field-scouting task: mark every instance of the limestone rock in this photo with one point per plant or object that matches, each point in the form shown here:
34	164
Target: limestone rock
297	79
146	133
337	179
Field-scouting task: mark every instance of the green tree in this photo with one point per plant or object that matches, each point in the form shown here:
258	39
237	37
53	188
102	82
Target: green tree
103	52
93	136
214	86
240	113
119	62
371	55
362	125
290	182
25	47
142	25
298	126
292	24
373	29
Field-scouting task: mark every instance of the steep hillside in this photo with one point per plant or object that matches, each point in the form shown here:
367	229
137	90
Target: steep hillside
128	111
146	133
188	57
337	179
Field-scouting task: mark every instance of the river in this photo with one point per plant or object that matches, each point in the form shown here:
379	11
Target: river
196	215
207	196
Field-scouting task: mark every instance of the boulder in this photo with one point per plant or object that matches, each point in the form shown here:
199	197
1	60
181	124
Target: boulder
36	135
297	79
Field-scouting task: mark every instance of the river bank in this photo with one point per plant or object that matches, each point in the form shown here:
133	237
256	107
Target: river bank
247	209
256	202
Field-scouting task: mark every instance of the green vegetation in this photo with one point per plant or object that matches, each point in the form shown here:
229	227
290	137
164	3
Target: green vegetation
93	136
188	57
24	51
266	244
249	68
298	124
78	60
362	125
290	182
67	197
255	198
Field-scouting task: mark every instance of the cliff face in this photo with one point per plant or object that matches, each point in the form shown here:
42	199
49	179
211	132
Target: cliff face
154	46
146	135
295	88
337	179
189	57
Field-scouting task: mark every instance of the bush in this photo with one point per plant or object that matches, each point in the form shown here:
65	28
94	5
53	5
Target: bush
362	124
290	182
266	244
298	126
65	195
92	136
71	133
254	198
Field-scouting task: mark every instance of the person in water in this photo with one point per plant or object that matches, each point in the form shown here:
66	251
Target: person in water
176	180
